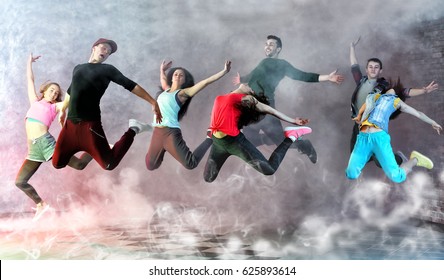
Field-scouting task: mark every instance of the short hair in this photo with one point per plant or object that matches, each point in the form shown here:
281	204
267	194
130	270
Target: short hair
278	40
374	59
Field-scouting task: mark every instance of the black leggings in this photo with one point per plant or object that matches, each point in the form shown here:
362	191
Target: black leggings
273	134
239	146
29	167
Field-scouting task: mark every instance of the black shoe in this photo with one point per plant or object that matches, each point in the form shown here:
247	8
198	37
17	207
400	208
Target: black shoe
305	147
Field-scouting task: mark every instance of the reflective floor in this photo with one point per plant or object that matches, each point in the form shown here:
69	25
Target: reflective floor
50	238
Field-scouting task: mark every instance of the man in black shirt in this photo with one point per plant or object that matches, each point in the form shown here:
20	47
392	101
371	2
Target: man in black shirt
83	129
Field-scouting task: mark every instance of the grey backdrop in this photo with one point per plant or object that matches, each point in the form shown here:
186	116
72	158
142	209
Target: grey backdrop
200	35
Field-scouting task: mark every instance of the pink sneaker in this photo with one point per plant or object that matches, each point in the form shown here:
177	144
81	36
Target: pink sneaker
294	132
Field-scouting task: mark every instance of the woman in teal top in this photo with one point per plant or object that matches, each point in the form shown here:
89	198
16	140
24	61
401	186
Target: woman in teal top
178	90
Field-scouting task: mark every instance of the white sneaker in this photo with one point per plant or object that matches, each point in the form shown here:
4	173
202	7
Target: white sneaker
40	209
138	126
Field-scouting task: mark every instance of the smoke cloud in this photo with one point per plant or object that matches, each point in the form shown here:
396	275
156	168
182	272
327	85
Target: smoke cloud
200	36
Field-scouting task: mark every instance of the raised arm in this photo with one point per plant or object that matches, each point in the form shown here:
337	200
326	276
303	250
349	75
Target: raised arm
264	108
32	94
191	91
420	115
163	78
332	77
427	89
142	93
353	59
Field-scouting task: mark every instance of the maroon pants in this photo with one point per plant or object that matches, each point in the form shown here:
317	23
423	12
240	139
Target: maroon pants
89	136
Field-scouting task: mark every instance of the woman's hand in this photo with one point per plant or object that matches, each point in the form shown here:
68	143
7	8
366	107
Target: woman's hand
227	66
437	127
165	65
301	121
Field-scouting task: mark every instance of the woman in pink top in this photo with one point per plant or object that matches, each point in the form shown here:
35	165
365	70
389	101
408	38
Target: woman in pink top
44	108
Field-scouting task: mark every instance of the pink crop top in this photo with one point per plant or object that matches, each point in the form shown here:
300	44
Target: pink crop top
43	111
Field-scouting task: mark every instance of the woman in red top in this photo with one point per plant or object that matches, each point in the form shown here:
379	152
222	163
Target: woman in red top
235	110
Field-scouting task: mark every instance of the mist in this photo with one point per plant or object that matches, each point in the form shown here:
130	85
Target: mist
314	199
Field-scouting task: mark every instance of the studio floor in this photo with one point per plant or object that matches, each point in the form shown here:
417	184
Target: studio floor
159	239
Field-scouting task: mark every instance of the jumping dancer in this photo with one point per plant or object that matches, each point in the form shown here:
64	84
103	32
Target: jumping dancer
44	108
366	84
374	139
83	129
265	78
235	110
179	89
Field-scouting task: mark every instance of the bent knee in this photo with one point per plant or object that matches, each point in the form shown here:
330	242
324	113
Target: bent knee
20	184
352	173
398	176
269	172
190	166
110	167
151	167
209	179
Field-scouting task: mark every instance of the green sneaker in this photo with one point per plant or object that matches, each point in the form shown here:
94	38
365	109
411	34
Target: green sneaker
422	160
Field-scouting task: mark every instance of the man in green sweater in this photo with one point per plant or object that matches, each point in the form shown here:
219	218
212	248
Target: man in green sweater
265	78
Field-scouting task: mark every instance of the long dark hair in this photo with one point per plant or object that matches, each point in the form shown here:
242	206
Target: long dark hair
249	114
399	91
189	82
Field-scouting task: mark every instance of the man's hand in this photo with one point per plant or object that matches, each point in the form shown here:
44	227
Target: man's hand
335	78
62	117
156	111
236	79
354	43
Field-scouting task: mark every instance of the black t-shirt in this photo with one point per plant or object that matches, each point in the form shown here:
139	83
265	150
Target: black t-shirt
89	82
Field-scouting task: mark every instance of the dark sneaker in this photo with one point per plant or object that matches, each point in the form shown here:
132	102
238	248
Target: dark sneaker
305	147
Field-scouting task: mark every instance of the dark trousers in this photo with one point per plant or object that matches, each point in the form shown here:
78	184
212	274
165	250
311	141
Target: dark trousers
89	136
166	139
240	146
273	134
29	167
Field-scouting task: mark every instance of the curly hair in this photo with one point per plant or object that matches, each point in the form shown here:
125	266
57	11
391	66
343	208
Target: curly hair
249	114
